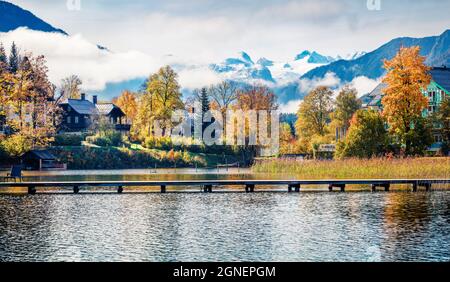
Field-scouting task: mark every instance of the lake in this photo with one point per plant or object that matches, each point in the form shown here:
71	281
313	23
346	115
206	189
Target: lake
310	226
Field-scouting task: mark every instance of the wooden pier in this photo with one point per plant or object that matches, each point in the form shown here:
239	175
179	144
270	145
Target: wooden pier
249	186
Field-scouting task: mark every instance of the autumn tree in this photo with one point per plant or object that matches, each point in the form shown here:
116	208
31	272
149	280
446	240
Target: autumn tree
255	98
403	103
71	87
128	103
367	136
314	113
29	109
223	96
287	139
346	105
160	99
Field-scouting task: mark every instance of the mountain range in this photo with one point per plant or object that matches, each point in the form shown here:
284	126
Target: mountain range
435	48
284	77
13	17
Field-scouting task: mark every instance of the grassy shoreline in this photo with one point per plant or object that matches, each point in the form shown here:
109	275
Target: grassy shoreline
409	168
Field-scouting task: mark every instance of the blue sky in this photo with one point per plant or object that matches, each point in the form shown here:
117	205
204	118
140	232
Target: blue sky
206	30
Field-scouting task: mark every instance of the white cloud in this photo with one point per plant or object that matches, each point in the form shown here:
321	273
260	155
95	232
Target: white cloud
364	85
67	55
290	107
329	80
306	10
198	77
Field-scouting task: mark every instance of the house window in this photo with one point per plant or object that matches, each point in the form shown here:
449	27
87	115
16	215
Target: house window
68	119
438	138
76	120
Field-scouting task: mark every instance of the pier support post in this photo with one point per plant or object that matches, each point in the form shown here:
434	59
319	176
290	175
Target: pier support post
207	188
374	187
427	186
76	189
31	190
163	189
249	188
341	186
386	186
294	187
120	190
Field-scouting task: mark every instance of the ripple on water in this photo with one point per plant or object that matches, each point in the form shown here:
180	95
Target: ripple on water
226	227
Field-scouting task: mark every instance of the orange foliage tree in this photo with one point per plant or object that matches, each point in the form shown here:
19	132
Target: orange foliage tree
128	103
403	103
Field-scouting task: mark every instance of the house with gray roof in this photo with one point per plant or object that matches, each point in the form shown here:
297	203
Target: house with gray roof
80	114
436	91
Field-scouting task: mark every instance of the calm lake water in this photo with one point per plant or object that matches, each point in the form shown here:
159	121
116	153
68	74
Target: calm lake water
310	226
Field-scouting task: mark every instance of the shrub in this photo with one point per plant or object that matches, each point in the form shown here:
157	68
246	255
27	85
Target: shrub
115	158
187	144
107	139
367	136
162	143
68	140
16	145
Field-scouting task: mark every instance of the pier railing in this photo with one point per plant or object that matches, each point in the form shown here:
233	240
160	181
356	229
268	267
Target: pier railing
248	185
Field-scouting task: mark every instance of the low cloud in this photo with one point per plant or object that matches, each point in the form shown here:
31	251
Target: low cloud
198	77
67	55
290	107
329	80
364	85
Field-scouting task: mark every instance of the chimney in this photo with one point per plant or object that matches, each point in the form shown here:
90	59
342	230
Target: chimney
83	96
94	99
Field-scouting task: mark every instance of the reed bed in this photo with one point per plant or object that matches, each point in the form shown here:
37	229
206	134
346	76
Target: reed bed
381	168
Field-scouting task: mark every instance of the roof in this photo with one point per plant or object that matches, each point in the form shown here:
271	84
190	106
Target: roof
376	95
42	154
105	109
86	107
365	100
83	107
441	76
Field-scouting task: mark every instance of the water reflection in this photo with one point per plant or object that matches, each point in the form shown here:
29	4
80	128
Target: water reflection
394	226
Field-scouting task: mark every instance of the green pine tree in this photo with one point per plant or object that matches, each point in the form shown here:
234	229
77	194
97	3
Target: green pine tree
3	58
14	59
204	100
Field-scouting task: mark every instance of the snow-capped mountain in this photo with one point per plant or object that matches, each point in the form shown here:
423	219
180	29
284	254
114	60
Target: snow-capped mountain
242	68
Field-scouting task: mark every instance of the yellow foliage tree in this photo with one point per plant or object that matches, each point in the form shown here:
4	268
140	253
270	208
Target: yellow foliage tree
160	99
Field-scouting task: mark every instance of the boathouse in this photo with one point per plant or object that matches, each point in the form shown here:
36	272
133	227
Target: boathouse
40	160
